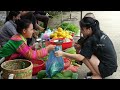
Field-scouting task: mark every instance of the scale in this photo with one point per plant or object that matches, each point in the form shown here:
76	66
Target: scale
58	43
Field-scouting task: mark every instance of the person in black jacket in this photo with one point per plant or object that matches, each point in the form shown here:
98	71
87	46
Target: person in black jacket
98	52
80	41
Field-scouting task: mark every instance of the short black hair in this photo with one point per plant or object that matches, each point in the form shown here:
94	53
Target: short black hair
89	22
22	24
11	14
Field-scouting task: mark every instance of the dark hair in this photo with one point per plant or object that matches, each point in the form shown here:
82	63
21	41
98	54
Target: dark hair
90	15
22	24
89	22
31	17
11	14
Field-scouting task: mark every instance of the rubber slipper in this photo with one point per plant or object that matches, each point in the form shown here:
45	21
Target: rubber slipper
88	77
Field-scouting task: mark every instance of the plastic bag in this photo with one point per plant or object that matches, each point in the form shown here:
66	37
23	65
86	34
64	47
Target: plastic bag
54	64
46	35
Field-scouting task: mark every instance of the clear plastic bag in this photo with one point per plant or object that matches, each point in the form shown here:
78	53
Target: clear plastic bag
54	64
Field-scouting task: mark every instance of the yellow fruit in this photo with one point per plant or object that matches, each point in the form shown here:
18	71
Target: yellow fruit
67	32
59	29
67	36
55	37
60	37
59	34
70	37
52	35
56	32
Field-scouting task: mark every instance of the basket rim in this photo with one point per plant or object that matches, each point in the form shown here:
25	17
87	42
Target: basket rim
31	65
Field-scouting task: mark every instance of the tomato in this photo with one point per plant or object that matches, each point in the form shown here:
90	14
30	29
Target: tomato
73	68
67	63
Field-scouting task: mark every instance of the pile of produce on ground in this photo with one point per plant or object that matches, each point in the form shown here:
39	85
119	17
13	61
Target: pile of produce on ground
74	66
65	74
70	65
69	72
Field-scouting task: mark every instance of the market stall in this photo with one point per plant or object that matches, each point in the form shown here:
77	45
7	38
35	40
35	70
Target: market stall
62	37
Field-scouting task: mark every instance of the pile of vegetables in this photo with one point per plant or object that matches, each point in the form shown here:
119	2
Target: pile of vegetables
74	66
71	65
71	50
70	27
60	33
67	74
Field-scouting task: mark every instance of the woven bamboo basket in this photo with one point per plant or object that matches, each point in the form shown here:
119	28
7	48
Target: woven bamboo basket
22	69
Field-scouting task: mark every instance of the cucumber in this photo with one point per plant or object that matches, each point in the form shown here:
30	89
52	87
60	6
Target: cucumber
75	76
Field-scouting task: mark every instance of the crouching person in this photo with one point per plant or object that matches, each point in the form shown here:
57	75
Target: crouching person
97	53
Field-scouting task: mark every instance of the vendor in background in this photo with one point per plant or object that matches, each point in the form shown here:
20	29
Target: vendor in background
97	53
9	28
29	15
17	46
41	16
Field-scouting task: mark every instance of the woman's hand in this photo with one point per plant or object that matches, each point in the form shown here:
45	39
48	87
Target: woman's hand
50	47
59	53
36	46
77	46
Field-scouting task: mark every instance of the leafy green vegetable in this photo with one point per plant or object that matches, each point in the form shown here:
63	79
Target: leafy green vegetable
70	27
71	50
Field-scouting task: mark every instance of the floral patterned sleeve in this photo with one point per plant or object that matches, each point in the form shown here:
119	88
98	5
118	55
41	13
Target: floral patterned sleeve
30	54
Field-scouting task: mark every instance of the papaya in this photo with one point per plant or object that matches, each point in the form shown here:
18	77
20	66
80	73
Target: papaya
54	77
67	73
41	74
59	75
46	78
75	76
68	78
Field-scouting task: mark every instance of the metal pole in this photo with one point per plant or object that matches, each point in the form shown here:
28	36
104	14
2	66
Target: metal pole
7	12
80	19
81	14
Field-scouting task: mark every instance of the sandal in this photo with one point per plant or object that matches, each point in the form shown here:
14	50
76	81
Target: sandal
88	77
89	74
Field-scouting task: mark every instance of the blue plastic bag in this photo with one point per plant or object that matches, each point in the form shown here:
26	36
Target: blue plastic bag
54	64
